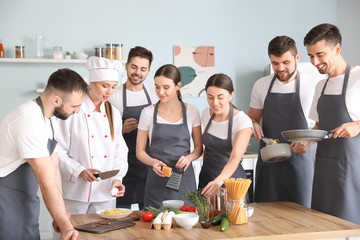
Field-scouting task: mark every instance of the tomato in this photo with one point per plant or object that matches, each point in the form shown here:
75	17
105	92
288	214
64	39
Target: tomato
192	209
147	216
185	208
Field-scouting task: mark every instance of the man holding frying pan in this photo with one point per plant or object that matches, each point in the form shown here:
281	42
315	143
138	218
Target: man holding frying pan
336	109
282	101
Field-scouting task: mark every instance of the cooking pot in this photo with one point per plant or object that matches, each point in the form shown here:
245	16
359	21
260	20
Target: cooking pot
306	135
275	153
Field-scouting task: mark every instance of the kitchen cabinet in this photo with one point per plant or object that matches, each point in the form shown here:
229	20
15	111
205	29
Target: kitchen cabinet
271	220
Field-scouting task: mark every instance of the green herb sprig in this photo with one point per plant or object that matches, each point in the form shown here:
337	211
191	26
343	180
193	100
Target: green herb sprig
196	198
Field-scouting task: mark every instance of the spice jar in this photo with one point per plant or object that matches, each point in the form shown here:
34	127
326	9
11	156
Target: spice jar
57	52
20	51
237	211
2	53
118	50
99	52
110	51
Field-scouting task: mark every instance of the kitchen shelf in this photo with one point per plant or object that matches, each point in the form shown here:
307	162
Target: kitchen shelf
44	60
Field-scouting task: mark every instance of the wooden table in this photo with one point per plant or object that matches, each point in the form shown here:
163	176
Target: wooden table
272	220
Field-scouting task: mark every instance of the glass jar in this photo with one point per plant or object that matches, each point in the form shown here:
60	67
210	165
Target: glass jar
205	213
111	51
57	52
237	211
20	51
99	52
118	50
219	201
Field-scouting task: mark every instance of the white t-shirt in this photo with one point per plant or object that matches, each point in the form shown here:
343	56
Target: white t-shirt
146	119
307	89
132	98
220	129
25	135
334	87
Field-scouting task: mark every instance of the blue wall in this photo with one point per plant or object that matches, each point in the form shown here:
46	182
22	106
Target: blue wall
239	30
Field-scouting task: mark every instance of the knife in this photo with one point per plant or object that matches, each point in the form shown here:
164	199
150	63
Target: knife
107	174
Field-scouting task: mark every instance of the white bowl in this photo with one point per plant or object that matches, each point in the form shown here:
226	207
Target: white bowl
186	220
173	203
250	212
80	55
100	213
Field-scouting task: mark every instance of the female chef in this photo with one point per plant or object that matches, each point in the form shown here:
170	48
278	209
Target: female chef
169	125
226	136
91	142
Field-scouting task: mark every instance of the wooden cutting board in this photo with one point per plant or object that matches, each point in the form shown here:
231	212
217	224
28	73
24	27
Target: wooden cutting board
106	225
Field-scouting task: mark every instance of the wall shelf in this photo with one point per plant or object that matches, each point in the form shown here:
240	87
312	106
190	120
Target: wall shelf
44	60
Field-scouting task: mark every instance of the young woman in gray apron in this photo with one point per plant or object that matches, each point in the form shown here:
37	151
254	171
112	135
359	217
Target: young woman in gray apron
219	154
19	192
336	188
137	171
170	140
290	180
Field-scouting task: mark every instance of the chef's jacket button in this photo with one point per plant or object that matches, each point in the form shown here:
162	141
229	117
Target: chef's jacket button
104	115
92	156
92	136
105	156
88	115
106	136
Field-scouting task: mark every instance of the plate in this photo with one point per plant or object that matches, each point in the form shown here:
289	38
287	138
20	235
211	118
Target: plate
129	211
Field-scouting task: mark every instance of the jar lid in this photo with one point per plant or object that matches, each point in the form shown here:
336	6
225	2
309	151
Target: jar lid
115	44
20	46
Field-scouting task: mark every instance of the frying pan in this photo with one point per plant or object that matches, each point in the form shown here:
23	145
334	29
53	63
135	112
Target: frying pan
275	153
306	135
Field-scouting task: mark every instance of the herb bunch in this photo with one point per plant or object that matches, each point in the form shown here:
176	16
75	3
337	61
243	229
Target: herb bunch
196	198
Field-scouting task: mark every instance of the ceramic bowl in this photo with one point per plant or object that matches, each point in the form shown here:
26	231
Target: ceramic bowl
186	220
80	55
173	203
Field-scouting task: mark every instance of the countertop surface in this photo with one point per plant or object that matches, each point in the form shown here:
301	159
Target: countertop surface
271	220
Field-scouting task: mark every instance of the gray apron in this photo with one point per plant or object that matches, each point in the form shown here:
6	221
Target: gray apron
217	154
168	143
290	180
20	204
137	172
336	188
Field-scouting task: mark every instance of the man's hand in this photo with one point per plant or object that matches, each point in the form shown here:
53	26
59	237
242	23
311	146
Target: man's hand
258	132
300	147
129	125
88	174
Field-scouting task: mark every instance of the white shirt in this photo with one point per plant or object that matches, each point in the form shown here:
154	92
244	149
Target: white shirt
24	134
307	89
132	98
220	129
84	142
146	119
334	87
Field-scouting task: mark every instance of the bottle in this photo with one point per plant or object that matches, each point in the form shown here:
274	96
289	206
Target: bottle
20	51
2	53
57	52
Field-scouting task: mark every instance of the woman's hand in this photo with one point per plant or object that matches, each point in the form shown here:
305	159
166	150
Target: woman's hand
157	167
121	188
88	174
300	147
183	162
211	188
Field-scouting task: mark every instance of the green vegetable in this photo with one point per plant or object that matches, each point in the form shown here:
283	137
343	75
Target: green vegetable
156	211
224	224
217	219
196	198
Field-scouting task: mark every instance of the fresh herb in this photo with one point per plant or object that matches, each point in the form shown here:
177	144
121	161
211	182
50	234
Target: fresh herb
201	203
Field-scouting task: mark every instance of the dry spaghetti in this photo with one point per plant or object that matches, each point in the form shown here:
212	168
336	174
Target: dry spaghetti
237	189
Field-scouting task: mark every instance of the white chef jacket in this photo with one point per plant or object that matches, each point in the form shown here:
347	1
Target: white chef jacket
84	141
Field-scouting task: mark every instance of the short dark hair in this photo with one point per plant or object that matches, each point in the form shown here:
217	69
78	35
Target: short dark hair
280	45
171	72
140	52
325	31
66	81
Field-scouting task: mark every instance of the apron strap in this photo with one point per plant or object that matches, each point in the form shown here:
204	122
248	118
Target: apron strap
39	102
346	79
231	114
124	95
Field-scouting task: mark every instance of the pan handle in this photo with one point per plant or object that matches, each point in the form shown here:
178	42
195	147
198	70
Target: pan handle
329	135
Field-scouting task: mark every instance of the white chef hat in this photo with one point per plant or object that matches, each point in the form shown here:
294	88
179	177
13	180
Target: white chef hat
103	69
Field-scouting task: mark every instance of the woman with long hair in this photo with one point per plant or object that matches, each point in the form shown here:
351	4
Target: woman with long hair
169	125
226	135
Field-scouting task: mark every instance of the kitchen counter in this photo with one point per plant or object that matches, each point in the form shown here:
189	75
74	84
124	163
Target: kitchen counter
271	220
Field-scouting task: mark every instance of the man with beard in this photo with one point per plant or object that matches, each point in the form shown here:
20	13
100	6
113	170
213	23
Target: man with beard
282	100
336	109
130	98
27	159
